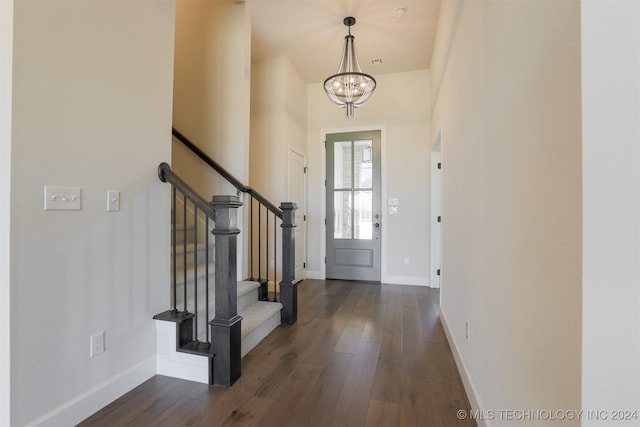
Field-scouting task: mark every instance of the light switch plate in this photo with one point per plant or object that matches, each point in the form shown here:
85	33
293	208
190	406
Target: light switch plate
113	200
62	198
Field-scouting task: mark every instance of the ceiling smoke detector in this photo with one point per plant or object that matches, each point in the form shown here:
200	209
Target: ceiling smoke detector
399	12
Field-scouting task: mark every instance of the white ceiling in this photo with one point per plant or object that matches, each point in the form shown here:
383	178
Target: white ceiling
311	34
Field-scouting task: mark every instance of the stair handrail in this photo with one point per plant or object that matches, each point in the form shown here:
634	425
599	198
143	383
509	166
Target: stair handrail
167	175
225	173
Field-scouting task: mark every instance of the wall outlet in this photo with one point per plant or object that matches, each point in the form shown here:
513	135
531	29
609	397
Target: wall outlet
97	344
466	330
406	260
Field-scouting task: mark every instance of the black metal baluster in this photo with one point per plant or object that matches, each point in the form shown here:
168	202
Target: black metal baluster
206	280
184	248
266	222
259	242
175	246
251	237
275	260
195	268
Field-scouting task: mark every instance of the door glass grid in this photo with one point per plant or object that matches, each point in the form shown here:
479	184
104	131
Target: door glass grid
353	203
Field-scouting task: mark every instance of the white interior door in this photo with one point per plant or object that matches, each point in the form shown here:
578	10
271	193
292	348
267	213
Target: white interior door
353	214
298	193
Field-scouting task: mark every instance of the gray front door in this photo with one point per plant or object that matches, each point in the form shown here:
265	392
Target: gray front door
353	206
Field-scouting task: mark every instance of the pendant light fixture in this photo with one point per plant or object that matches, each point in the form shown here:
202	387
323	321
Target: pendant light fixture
350	87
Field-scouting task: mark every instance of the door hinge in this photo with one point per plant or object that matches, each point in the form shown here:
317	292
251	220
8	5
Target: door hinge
325	260
439	218
438	272
325	182
304	217
304	265
305	169
325	221
439	165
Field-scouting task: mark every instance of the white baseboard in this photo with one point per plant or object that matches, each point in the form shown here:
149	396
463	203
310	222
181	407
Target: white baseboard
314	274
85	405
406	280
469	387
172	363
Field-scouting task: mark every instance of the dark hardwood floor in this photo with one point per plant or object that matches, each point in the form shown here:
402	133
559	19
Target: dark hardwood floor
360	354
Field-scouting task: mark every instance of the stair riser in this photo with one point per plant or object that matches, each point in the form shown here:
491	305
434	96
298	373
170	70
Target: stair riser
257	333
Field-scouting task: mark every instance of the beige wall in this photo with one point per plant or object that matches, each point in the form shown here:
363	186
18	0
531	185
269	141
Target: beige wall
506	85
278	121
400	107
212	96
278	124
91	108
211	91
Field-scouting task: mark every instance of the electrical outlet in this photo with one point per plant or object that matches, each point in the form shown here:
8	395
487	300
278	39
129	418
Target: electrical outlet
97	344
466	330
406	260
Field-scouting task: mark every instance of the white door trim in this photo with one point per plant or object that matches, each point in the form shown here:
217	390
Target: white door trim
299	152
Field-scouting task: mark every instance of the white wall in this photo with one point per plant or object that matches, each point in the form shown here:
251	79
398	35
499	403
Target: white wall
611	203
92	97
400	107
6	63
506	85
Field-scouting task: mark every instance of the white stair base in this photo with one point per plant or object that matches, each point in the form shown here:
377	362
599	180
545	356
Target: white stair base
259	318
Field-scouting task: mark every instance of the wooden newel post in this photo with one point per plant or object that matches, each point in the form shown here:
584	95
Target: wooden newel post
225	326
288	285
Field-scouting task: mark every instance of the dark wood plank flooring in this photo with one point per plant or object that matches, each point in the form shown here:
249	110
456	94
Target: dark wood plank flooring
361	354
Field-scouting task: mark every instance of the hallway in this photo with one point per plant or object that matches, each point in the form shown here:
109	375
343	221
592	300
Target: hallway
360	354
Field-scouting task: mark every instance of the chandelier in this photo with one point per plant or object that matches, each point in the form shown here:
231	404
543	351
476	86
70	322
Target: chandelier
350	87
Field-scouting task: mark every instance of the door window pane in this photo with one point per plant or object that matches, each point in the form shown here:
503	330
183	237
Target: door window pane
342	163
362	158
363	213
342	215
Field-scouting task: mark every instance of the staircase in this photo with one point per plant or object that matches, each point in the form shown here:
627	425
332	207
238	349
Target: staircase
215	319
259	318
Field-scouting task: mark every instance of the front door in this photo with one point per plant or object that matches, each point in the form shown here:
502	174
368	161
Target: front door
353	206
